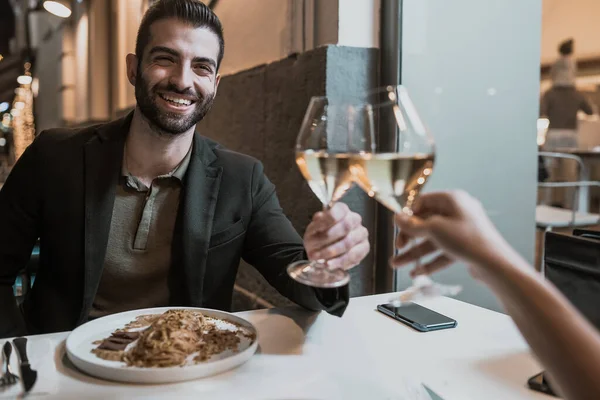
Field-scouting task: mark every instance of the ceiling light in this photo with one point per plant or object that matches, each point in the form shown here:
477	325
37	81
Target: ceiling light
25	79
60	8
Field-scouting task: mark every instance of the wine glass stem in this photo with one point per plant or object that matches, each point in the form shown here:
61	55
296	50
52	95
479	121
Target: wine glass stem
415	243
322	261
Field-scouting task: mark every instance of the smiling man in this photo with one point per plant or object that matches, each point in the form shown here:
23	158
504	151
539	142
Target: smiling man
144	212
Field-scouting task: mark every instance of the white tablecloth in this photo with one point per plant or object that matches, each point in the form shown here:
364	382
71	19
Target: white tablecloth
364	355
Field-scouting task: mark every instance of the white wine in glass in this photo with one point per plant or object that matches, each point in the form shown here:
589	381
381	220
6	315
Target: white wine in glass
328	174
394	179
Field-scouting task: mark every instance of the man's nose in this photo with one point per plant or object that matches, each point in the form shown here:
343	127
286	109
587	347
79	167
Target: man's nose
182	78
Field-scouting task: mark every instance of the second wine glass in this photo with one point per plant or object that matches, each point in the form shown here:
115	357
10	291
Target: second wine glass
395	175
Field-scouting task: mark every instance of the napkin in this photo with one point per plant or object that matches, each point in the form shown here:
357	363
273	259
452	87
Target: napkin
41	356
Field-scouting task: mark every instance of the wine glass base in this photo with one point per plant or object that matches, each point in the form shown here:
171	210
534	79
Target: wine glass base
317	275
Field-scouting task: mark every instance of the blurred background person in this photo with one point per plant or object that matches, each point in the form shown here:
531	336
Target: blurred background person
562	101
560	105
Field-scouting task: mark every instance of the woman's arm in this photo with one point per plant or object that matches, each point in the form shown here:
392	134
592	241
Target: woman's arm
565	343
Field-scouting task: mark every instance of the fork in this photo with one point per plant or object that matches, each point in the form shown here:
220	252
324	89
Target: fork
8	378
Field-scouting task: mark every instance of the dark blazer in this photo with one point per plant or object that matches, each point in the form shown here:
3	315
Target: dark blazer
62	191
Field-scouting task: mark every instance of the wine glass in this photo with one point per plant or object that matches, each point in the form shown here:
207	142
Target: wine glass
323	152
395	176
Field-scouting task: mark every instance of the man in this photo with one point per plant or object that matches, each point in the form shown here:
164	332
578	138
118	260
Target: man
143	212
561	104
563	101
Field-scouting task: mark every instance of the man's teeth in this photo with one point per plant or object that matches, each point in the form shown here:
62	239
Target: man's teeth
175	100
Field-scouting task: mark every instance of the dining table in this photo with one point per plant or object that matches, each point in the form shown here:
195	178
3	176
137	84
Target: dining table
313	355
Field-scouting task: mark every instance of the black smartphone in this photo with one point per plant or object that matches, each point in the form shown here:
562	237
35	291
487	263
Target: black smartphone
540	384
418	317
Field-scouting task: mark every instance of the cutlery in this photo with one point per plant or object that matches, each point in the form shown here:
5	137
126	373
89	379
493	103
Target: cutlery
434	395
28	375
8	378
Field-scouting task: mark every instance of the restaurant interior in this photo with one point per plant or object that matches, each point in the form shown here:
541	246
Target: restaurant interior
489	80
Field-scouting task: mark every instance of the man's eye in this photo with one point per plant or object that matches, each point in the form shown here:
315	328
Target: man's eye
203	67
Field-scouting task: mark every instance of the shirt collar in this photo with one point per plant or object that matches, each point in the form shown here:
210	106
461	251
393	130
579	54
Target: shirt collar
178	172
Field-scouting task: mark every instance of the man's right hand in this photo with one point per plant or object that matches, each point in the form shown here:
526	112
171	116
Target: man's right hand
454	223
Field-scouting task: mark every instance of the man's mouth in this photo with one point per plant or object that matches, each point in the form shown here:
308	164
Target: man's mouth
176	100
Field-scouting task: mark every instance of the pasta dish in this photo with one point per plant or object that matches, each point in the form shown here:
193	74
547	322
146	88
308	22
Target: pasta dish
174	338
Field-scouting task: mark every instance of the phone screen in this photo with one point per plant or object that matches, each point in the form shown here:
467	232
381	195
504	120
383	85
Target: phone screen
415	314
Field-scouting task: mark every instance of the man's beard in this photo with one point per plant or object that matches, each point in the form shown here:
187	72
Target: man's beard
165	122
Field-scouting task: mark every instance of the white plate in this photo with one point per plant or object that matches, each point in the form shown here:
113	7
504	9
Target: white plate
80	344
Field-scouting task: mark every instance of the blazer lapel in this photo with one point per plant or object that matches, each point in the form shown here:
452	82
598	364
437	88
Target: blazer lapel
194	225
103	155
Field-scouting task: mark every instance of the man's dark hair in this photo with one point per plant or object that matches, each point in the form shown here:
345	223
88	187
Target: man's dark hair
566	47
193	12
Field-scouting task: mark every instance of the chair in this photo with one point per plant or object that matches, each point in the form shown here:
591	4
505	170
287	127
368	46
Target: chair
26	276
548	217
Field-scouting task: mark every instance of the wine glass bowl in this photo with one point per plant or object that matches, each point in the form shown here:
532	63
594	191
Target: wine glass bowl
394	174
324	151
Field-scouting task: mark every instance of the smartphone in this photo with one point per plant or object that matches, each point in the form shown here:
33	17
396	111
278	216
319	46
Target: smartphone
540	384
418	317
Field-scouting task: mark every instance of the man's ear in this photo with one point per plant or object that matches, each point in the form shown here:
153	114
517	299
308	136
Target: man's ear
132	68
217	80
